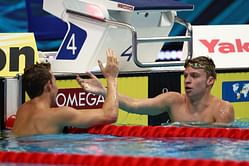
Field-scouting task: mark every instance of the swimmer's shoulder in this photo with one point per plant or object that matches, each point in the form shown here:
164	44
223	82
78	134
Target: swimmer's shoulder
224	111
223	104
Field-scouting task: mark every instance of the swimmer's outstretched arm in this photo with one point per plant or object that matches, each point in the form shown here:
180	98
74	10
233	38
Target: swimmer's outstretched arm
151	106
109	112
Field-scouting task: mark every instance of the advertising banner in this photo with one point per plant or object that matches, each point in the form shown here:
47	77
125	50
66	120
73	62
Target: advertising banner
235	91
227	45
70	94
79	99
17	50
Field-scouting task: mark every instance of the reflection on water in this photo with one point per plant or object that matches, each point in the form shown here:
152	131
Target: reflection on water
239	123
208	148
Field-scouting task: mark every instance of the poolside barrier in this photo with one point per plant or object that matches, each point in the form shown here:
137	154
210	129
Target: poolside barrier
166	131
136	131
106	160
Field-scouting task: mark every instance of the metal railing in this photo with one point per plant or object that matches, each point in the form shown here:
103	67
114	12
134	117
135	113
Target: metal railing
136	40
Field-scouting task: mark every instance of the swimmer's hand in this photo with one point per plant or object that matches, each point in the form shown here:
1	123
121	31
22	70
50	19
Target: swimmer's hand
111	69
110	72
92	85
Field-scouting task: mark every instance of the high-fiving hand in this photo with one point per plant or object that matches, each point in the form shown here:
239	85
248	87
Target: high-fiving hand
110	71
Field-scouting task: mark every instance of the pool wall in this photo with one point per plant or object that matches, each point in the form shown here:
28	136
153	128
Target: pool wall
140	85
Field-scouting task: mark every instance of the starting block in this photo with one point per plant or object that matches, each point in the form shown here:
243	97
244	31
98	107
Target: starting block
135	29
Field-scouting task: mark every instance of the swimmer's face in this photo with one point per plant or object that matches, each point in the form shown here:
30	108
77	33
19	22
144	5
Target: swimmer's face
196	81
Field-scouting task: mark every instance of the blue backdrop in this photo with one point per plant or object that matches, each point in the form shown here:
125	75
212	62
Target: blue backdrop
13	16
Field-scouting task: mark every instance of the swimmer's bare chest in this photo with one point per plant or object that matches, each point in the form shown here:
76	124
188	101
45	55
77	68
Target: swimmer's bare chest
181	114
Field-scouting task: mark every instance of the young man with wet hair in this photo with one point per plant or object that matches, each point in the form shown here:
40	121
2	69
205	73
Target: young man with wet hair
197	105
39	116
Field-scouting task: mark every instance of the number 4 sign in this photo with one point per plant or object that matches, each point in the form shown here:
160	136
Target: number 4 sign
72	43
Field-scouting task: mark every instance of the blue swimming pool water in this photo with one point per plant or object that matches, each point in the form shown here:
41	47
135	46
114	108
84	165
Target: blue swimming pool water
190	148
239	123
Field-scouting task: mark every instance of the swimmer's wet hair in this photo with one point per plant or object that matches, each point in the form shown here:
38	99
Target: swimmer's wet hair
202	62
35	78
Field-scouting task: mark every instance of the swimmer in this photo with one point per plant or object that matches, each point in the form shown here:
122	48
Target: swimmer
196	105
39	116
